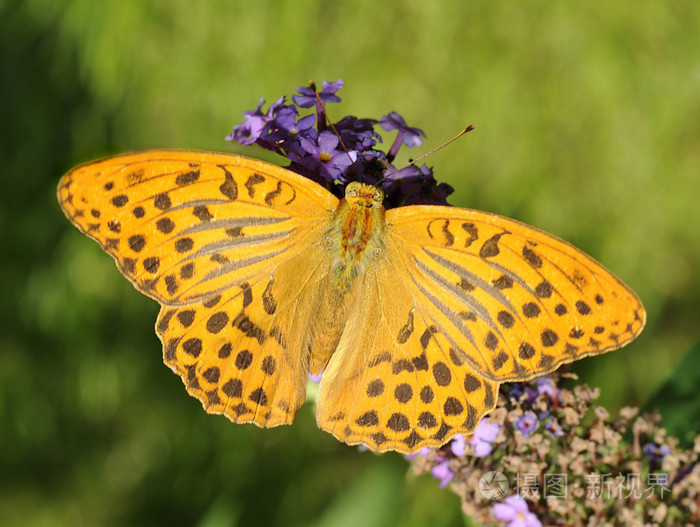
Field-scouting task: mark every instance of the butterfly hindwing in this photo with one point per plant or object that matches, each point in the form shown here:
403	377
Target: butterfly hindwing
242	352
395	381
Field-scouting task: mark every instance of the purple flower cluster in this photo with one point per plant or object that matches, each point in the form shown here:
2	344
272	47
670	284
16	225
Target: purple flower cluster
334	155
557	448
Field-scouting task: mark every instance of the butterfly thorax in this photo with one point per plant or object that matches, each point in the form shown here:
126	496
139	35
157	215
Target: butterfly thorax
358	226
356	237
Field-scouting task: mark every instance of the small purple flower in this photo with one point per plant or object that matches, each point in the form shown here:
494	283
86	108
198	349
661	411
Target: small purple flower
324	154
315	378
406	179
287	120
515	511
324	149
457	445
526	423
407	135
307	99
545	385
255	123
410	136
516	391
655	452
443	472
359	134
287	131
484	435
553	427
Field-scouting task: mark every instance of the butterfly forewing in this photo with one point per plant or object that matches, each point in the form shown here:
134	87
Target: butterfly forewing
183	225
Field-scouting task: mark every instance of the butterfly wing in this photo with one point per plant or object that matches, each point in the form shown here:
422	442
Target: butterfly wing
517	301
216	239
460	302
391	383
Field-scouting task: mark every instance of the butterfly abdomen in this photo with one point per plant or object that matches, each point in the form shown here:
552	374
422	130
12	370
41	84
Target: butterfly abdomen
327	326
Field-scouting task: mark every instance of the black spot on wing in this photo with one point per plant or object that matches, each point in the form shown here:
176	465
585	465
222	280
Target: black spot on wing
254	179
490	247
228	188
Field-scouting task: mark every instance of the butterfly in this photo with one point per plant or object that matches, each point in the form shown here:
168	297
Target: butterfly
415	315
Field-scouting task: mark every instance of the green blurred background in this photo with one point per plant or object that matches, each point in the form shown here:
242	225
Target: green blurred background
588	126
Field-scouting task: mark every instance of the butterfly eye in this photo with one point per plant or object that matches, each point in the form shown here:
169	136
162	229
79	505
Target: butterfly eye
353	189
378	195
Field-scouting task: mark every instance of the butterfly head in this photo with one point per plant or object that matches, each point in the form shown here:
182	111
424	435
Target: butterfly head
365	192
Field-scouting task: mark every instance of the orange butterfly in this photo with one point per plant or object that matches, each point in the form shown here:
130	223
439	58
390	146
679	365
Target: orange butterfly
415	315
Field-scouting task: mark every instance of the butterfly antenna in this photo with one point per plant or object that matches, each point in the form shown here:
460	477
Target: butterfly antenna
325	117
443	145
